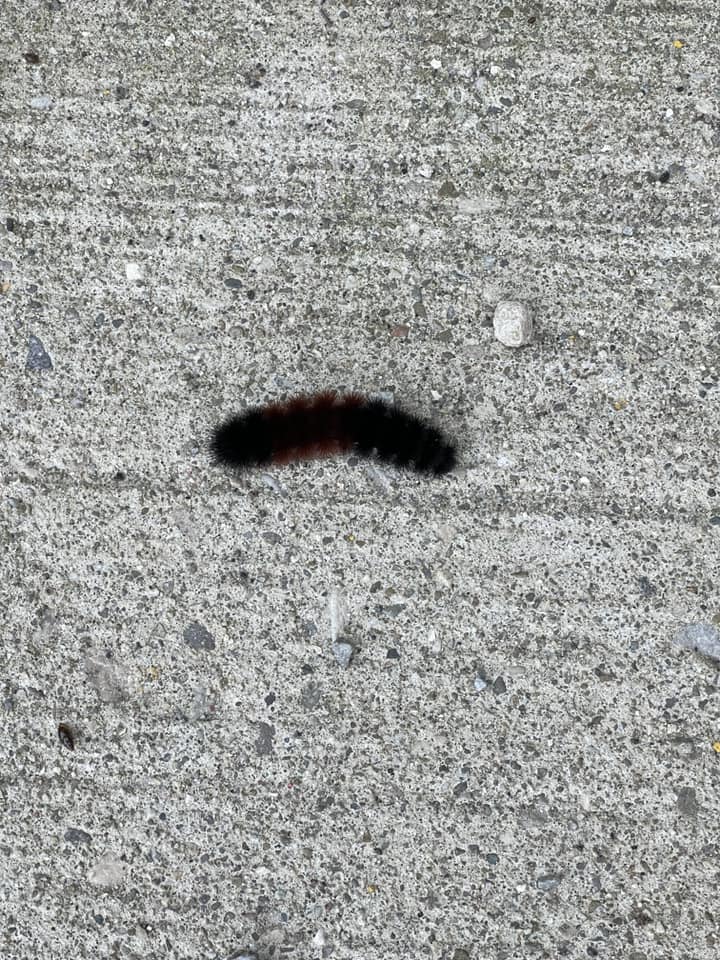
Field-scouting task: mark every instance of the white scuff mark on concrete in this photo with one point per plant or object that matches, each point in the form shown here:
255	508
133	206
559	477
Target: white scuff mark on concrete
337	610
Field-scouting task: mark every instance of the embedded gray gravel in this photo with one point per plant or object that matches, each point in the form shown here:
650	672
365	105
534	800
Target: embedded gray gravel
205	206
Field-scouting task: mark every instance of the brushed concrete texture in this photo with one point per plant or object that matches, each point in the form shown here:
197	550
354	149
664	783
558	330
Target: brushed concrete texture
208	205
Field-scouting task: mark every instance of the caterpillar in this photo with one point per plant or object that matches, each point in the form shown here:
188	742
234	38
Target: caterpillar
324	424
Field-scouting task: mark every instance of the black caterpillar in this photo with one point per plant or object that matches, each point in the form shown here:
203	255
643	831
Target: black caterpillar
324	424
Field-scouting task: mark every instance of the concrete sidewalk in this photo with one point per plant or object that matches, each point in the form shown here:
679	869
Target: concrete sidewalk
207	206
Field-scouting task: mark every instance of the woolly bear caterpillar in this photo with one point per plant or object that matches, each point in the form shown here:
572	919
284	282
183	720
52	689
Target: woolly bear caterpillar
324	424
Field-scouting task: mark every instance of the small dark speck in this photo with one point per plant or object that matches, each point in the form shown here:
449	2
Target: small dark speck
120	475
99	919
37	357
499	686
306	669
198	637
604	674
548	883
264	742
392	654
270	699
664	176
646	588
233	283
641	917
394	609
73	835
122	93
10	224
65	736
687	802
31	57
448	190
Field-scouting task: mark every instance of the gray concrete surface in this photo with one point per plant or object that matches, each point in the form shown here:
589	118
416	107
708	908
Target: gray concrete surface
210	205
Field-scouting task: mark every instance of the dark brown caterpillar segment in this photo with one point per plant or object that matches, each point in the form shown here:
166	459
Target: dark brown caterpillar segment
325	424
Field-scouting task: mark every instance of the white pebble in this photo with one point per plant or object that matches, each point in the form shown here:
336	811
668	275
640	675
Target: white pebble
43	102
108	871
706	107
343	654
513	323
133	271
